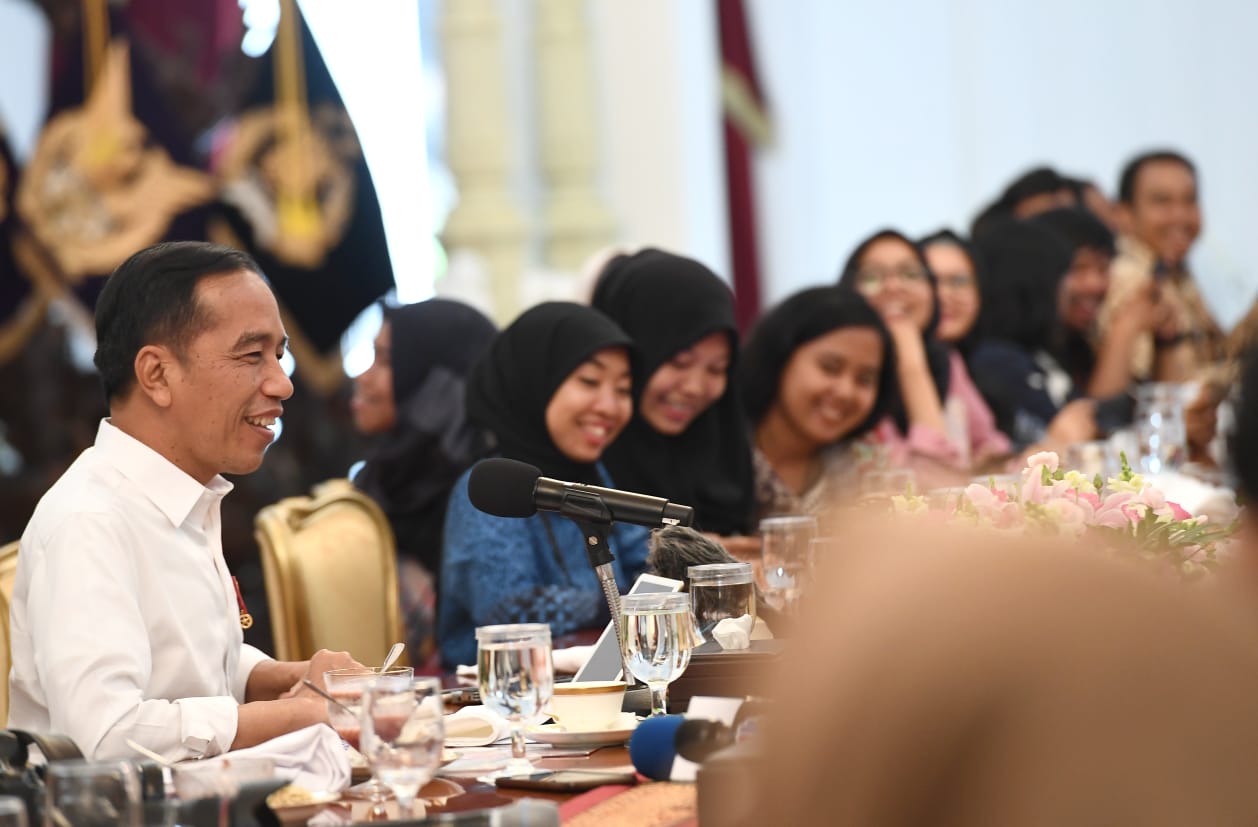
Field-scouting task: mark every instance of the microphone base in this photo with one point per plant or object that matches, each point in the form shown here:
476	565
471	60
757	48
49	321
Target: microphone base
637	700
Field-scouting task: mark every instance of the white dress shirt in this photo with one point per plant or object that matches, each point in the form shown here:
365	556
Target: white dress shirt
124	620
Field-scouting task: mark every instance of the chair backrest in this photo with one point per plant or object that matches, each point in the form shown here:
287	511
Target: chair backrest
8	572
330	567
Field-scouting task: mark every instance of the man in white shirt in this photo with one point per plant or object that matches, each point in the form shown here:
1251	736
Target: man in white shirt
125	621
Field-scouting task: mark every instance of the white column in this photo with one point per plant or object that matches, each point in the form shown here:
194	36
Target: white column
479	136
577	222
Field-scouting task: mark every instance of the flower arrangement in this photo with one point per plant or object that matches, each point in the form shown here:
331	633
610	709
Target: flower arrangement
1124	514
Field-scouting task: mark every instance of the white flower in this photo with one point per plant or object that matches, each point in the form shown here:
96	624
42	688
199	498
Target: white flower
1045	458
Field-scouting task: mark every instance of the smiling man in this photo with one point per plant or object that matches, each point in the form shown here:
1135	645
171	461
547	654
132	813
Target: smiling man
125	621
1161	217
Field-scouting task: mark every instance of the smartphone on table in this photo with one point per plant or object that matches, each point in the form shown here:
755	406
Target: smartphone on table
564	781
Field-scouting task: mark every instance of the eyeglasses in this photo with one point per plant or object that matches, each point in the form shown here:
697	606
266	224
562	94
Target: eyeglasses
956	281
873	279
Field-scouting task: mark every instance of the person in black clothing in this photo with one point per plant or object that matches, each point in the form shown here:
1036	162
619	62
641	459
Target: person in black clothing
412	399
688	439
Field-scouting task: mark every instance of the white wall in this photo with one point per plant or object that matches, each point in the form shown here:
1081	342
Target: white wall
913	113
910	113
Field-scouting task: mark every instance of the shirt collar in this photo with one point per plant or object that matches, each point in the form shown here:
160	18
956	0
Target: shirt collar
170	489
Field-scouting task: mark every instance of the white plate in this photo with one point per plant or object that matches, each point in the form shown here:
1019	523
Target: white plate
556	735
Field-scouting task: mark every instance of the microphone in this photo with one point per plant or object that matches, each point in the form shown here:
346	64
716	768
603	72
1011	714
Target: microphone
653	746
509	488
657	741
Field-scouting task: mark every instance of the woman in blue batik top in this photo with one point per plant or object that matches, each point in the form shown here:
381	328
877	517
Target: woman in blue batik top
554	388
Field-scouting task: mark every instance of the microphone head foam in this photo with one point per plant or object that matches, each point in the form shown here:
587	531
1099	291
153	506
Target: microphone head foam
653	746
503	487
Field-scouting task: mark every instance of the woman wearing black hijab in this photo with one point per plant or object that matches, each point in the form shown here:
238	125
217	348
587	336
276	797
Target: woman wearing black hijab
411	398
687	440
555	389
943	430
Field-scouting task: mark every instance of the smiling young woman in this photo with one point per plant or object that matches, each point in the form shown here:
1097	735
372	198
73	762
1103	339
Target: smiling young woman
687	440
818	372
941	428
554	389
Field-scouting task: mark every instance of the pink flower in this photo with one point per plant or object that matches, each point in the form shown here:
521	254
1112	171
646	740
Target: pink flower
1110	513
1178	512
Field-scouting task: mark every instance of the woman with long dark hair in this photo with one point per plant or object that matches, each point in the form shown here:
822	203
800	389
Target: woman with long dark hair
942	428
818	372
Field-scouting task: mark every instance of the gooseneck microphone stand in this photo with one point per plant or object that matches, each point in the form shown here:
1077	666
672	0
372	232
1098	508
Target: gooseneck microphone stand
592	516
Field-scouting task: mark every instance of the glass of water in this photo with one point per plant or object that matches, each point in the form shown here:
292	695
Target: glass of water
404	735
657	633
1160	426
517	678
93	794
786	557
12	811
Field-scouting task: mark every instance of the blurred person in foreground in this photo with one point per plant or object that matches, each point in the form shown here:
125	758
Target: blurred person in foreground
125	623
972	679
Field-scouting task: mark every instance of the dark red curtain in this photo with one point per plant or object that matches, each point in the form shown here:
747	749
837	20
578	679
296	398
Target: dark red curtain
746	126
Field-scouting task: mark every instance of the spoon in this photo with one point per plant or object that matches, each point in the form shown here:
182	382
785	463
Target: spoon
312	685
148	753
394	654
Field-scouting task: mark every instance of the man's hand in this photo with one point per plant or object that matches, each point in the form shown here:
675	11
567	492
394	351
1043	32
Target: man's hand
313	669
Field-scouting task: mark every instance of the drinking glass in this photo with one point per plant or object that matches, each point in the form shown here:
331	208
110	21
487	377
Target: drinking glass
786	557
347	686
403	730
885	483
719	591
93	794
12	811
1160	426
516	678
1096	458
657	633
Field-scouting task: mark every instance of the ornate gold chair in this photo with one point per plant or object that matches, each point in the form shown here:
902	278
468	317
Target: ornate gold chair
331	574
8	571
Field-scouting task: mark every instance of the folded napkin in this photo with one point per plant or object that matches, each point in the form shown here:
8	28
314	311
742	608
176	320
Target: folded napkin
313	758
570	660
475	726
734	632
1198	498
466	675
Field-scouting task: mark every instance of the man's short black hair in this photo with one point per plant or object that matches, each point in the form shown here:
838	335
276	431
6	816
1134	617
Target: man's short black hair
151	299
1127	181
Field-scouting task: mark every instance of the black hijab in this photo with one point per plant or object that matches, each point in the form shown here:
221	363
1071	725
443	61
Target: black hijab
667	303
414	466
511	386
804	316
936	351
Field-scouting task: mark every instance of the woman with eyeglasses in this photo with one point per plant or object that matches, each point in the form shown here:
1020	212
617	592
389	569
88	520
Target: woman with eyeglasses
942	428
955	264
